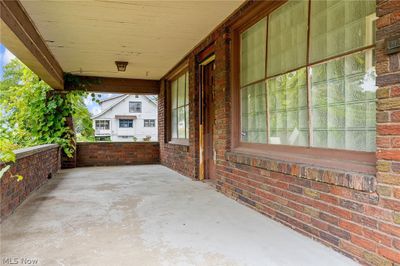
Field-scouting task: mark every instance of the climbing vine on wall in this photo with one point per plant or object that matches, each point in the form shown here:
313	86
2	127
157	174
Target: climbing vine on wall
33	114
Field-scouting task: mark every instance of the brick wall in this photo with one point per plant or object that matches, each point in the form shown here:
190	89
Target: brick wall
355	214
388	127
116	153
181	158
36	165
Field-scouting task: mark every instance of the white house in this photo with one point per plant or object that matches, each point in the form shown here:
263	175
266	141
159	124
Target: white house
126	118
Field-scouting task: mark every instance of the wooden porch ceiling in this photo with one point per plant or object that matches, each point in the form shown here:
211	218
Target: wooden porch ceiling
21	37
86	37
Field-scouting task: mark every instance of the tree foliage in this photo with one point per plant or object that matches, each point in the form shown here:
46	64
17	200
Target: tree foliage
33	114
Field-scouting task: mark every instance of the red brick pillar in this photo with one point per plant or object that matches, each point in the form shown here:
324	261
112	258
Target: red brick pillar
67	162
388	127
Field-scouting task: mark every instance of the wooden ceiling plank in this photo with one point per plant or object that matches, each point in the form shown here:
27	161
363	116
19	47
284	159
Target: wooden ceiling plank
87	37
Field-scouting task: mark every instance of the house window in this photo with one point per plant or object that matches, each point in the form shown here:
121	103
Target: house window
149	122
135	107
102	124
126	123
310	89
180	107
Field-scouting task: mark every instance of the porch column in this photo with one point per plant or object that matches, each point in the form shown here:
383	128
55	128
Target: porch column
67	162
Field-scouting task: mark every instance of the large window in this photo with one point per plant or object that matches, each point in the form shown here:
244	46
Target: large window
125	123
310	81
180	107
102	124
135	107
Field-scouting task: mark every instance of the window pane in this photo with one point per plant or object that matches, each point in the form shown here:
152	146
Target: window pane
135	107
287	106
125	123
181	90
174	126
149	123
343	103
187	88
174	93
253	113
287	37
339	26
187	120
181	123
252	62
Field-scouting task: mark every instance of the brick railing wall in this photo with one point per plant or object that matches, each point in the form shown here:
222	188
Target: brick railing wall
116	153
354	213
36	165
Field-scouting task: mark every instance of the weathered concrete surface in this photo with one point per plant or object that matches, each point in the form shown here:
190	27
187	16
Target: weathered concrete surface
149	215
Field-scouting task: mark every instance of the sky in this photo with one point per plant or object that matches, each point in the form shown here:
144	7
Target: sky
6	56
94	107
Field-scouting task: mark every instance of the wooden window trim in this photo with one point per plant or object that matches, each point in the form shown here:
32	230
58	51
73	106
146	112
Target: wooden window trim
359	161
174	75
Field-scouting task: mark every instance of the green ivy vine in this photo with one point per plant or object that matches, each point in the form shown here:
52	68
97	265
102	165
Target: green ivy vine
32	113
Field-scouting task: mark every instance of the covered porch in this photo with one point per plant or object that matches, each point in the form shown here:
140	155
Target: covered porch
289	107
148	215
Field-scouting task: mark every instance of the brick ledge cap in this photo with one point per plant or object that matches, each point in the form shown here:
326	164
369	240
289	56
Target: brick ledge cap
25	152
352	180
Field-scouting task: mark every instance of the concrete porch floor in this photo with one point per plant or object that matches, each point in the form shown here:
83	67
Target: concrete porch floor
149	215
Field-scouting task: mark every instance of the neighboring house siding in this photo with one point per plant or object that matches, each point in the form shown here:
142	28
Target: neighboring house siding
118	108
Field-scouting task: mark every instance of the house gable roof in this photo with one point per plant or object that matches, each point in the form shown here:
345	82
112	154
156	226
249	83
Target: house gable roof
110	107
112	98
152	99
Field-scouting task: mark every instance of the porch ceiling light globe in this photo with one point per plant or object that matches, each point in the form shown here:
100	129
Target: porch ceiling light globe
121	65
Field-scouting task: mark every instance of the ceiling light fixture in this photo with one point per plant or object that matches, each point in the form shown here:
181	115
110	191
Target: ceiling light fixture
121	65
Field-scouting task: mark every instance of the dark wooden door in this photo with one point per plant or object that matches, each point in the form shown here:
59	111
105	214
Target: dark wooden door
209	120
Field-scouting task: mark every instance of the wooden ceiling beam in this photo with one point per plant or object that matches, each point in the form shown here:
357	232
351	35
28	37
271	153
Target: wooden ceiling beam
21	37
114	85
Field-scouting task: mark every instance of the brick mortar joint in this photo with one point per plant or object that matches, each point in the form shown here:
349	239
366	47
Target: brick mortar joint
356	181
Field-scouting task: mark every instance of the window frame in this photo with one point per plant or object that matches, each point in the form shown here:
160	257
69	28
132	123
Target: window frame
326	157
102	120
135	102
171	78
119	123
149	121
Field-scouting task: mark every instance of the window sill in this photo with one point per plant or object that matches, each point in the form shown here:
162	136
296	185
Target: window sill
181	142
353	175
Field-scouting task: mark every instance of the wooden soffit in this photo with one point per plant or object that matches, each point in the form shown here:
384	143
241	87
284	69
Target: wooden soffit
21	37
114	85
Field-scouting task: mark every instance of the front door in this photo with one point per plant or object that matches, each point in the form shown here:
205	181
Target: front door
208	118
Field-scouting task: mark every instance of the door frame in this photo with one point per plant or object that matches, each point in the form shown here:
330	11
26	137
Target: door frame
201	65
